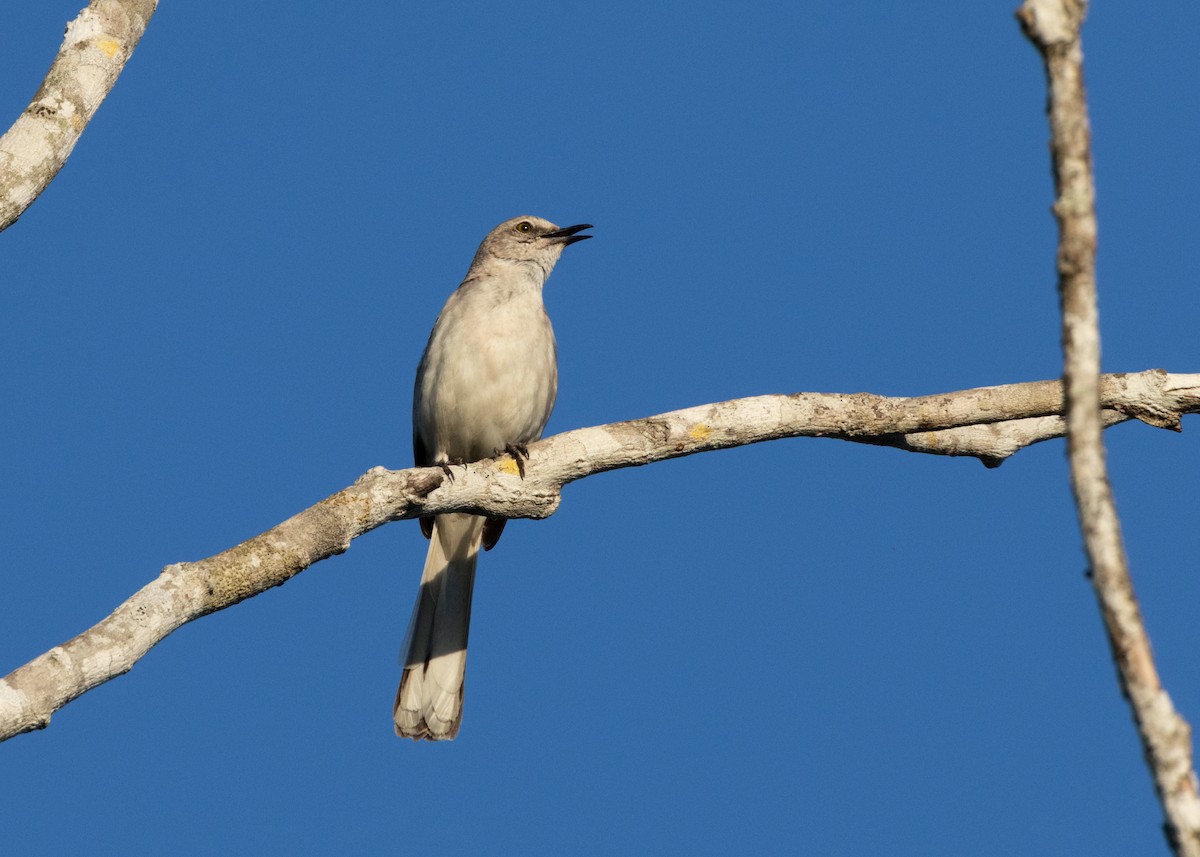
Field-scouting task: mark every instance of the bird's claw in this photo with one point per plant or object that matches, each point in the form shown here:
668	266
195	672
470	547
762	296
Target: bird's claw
519	453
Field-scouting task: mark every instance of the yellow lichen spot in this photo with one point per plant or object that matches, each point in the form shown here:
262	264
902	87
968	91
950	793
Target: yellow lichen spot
509	466
699	431
109	46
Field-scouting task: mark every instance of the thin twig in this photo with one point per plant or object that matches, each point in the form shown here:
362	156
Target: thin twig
1054	28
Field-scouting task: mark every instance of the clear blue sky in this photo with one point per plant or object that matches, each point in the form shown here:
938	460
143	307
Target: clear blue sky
211	320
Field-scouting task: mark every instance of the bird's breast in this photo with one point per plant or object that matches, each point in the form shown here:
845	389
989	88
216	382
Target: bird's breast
488	378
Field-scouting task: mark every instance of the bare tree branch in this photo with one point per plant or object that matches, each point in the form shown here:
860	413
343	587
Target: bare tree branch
989	423
96	47
1054	28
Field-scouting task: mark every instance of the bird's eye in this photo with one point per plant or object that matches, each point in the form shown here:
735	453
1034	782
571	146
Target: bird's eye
524	226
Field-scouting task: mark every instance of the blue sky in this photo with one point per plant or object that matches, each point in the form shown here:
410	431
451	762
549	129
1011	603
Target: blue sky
211	321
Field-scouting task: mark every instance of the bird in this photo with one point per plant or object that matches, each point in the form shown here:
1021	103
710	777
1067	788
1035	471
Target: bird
485	385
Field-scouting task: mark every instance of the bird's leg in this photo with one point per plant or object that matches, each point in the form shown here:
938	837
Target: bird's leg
519	453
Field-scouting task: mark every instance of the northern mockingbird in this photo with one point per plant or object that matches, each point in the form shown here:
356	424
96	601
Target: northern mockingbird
485	385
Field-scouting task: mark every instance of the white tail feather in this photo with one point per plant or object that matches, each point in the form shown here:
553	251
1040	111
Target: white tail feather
434	655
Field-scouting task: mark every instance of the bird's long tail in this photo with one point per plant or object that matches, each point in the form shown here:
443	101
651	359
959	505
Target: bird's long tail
434	655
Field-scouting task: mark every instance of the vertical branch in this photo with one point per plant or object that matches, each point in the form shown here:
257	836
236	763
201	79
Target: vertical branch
1054	26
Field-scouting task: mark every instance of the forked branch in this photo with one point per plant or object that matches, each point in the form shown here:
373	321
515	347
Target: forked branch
989	423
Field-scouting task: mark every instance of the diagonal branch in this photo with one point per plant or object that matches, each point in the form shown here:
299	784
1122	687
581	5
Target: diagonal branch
1054	28
989	423
95	48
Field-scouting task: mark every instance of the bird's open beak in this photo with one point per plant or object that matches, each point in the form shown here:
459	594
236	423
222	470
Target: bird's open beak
567	235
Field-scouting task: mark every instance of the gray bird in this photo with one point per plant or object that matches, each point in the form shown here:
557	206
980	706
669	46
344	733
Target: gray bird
485	385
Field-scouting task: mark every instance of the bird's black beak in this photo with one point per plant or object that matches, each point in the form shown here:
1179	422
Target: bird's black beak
567	235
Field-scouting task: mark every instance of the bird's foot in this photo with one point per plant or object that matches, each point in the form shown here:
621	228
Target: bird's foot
445	466
519	453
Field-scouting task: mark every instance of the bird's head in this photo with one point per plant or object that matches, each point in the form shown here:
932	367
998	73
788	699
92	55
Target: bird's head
531	240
